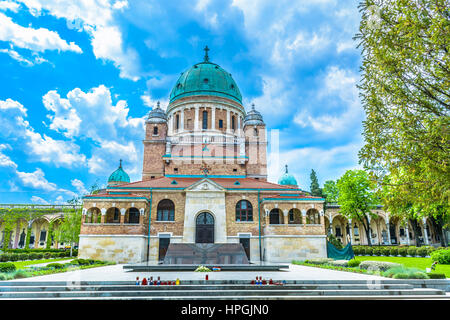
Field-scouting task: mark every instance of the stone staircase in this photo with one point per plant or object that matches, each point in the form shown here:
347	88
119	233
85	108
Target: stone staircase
218	290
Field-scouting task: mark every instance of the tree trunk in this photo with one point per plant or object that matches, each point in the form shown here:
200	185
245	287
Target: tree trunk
71	246
366	229
416	228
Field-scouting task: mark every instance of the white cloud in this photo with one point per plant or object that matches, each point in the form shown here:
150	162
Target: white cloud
37	199
33	39
11	104
97	19
6	161
9	5
339	89
36	180
79	186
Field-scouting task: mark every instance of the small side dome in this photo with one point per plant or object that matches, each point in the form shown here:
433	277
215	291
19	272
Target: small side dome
157	115
253	117
287	179
119	176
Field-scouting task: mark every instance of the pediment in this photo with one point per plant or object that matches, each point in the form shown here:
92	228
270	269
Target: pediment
205	185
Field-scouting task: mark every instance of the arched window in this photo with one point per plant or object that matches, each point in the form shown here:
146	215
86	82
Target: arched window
312	217
113	215
177	121
244	211
233	122
274	216
165	211
133	216
295	216
205	120
155	131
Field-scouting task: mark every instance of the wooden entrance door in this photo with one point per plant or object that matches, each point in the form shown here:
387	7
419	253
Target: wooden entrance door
204	228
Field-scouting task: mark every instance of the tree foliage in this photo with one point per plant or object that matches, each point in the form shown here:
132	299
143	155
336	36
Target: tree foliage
330	191
69	229
405	91
357	197
315	188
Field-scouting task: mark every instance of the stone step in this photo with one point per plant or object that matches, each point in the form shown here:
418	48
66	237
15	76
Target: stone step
40	288
244	294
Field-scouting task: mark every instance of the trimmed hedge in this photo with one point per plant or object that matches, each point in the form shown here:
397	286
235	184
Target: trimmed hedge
436	276
354	263
7	267
401	250
56	265
35	255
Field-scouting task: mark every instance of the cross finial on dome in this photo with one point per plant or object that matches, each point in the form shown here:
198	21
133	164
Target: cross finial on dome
157	104
253	106
206	58
120	163
286	168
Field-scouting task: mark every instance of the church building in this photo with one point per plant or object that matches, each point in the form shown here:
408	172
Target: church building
204	180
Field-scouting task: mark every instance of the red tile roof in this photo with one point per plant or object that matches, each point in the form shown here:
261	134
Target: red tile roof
181	183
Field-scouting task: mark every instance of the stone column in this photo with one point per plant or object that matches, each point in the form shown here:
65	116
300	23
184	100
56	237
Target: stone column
213	118
238	129
303	216
171	119
102	219
388	232
408	242
181	120
286	218
425	232
122	215
228	121
196	122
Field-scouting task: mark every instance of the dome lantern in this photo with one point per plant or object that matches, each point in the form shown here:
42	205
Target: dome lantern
119	176
253	117
157	115
287	179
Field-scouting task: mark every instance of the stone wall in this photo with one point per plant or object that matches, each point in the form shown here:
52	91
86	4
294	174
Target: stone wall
288	248
118	248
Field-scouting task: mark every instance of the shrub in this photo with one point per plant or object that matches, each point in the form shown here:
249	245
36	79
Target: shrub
5	257
401	276
412	251
368	251
386	251
393	251
23	256
441	256
339	263
55	266
418	275
39	255
34	256
354	263
319	261
47	255
356	250
402	272
377	265
20	274
2	277
202	269
14	257
422	251
436	276
403	251
7	267
62	254
54	254
376	251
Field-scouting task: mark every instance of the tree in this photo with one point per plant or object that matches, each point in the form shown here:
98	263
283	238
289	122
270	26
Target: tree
405	92
357	198
69	230
315	188
330	191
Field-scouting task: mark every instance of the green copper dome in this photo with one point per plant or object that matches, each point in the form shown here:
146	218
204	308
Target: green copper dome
119	176
287	179
206	78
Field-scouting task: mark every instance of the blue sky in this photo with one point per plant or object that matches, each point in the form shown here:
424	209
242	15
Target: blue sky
79	77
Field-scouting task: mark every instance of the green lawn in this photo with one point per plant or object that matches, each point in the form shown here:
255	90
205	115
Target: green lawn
22	264
419	263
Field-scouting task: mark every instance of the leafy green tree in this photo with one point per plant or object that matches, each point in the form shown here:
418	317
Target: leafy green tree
69	229
405	92
357	197
330	191
315	188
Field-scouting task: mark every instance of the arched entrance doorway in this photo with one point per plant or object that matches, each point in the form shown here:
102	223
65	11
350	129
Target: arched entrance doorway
204	228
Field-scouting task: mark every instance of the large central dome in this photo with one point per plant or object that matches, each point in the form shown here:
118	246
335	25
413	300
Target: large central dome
206	78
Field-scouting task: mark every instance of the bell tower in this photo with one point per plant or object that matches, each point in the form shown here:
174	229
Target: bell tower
154	144
255	145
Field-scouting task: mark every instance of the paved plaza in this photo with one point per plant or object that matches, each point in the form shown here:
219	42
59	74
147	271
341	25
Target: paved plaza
117	273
